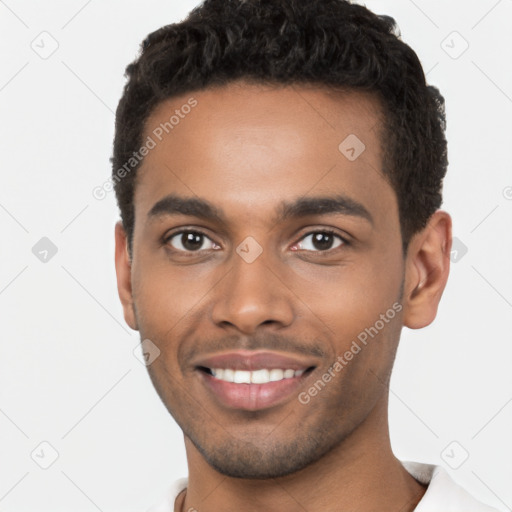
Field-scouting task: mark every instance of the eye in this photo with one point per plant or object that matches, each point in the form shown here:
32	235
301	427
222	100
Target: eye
320	241
190	241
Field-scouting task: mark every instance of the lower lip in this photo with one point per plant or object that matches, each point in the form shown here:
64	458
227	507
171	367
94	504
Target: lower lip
252	397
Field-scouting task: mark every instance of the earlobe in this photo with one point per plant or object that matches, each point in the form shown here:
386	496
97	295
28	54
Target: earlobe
427	270
124	275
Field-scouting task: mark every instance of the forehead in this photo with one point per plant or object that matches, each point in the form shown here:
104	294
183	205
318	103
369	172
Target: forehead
255	145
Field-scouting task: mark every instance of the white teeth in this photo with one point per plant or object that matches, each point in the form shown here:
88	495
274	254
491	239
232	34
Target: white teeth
276	375
262	376
259	376
242	377
229	375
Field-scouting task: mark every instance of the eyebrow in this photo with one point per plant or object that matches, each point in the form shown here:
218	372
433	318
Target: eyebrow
302	207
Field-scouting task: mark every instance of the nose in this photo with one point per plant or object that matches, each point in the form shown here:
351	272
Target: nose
252	295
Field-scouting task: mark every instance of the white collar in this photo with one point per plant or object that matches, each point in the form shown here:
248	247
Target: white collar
443	494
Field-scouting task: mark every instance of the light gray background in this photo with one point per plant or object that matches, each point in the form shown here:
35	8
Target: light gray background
68	373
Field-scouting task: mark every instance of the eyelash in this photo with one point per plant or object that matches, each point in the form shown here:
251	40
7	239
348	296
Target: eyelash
167	238
325	231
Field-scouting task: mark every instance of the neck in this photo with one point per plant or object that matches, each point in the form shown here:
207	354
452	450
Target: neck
361	475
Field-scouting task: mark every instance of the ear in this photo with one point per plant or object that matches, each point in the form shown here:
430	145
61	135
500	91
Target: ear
124	276
426	270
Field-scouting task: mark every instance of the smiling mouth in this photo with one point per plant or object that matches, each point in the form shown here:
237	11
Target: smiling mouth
253	390
253	380
260	376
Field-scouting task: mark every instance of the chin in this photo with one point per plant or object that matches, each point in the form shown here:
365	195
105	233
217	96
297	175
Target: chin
238	459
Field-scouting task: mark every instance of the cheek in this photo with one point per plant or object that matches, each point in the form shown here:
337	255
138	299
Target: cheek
165	298
348	298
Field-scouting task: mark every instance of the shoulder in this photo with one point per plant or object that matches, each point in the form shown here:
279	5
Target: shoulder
443	493
166	502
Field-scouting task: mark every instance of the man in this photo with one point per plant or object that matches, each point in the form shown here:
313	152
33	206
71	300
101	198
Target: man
278	166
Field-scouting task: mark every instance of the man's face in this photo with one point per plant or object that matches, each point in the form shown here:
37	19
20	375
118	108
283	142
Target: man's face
304	255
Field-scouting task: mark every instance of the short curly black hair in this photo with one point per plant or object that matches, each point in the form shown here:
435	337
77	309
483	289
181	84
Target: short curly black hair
330	43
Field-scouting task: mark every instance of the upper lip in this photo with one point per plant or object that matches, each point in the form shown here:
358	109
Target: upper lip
250	360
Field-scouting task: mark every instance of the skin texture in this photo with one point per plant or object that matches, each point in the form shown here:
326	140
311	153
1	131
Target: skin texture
246	148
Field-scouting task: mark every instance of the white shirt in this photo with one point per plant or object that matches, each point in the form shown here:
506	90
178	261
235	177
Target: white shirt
442	494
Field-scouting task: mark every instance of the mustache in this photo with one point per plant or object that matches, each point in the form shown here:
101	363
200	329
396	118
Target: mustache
263	341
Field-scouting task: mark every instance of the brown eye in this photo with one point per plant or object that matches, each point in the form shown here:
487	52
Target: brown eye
320	241
190	241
